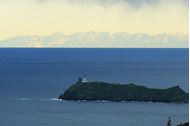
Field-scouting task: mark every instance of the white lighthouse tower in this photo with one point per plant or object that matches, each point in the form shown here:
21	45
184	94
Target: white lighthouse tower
84	79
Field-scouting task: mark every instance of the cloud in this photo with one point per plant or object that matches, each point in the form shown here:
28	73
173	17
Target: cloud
42	17
134	3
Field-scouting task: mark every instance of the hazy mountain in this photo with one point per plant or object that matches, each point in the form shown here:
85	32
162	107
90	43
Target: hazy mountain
99	39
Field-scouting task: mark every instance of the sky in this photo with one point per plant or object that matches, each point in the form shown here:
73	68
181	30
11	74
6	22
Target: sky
44	17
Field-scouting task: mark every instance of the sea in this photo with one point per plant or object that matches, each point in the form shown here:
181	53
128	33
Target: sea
31	79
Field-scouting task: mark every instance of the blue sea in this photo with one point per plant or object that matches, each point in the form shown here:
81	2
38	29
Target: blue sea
31	79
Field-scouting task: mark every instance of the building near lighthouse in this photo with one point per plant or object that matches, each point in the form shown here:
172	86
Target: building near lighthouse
84	79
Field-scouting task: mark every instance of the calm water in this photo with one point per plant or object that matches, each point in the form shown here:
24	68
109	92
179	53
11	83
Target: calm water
30	78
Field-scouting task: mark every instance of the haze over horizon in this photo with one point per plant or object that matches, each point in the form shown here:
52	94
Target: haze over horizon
128	18
99	40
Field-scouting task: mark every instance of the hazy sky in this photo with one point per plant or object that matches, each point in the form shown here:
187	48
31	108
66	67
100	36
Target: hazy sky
42	17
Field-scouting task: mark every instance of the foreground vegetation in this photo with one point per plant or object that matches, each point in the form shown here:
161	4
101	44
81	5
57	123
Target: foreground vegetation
169	123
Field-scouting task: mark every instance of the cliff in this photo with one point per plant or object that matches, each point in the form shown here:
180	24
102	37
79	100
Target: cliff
121	92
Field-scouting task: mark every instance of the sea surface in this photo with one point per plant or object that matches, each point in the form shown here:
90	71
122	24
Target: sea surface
32	79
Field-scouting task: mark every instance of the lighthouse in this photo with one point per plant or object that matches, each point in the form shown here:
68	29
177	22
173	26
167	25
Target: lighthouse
84	79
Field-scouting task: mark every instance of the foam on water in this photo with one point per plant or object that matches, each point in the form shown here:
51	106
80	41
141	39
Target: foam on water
39	99
25	99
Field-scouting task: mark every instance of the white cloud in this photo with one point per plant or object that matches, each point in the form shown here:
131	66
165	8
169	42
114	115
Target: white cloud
134	3
43	17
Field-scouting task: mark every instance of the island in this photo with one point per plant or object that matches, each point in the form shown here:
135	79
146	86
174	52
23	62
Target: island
90	91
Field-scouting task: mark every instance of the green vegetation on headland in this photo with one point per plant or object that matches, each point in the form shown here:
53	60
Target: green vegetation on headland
184	124
120	92
169	123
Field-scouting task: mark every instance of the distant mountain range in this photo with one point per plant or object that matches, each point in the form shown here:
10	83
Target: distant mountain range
99	39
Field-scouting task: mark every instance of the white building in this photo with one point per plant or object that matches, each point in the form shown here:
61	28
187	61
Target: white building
84	79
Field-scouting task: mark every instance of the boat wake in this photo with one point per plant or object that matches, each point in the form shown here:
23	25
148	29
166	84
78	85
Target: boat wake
38	99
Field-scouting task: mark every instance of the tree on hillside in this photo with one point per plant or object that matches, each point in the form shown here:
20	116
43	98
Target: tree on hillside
169	123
